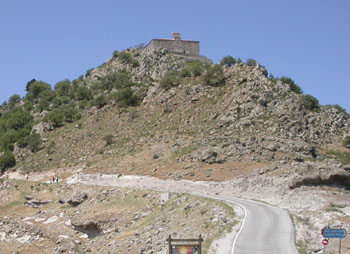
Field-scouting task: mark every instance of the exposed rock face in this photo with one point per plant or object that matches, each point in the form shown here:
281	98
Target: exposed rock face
77	199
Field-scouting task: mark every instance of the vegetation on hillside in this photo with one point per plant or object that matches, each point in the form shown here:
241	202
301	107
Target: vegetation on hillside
67	101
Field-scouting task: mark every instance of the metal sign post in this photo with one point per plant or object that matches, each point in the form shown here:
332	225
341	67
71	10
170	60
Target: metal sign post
334	233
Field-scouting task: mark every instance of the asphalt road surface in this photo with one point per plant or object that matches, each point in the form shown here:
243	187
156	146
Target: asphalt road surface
266	229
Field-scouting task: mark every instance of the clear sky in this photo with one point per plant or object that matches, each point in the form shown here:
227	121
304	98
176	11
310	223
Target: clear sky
308	41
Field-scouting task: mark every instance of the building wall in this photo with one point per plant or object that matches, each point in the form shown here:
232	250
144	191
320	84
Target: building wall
176	46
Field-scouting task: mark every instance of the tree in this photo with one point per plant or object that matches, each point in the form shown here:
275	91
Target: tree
126	97
83	93
13	100
170	79
251	62
293	86
34	142
100	101
7	160
62	88
29	83
228	61
214	76
309	102
39	89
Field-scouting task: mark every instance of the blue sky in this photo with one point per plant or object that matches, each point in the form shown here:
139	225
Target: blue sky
308	41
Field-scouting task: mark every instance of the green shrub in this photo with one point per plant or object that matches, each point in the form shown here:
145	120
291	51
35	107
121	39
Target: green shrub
125	57
67	113
56	117
344	157
62	88
339	108
83	93
346	141
13	100
7	160
6	142
135	63
293	86
125	97
214	76
193	68
100	101
39	89
170	79
51	148
29	83
115	53
228	61
88	72
34	142
251	62
309	102
115	80
109	139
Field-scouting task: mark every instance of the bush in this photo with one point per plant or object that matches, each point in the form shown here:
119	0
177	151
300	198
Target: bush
39	89
13	100
214	76
109	139
115	53
251	62
228	61
340	108
56	117
346	141
29	83
62	88
100	101
83	93
88	72
115	80
7	160
170	79
194	69
125	57
34	142
126	97
293	86
64	114
309	102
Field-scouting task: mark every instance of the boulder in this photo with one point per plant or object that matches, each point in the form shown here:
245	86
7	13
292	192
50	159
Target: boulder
77	199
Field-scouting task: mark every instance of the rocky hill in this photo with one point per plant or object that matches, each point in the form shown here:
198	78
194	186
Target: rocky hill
158	114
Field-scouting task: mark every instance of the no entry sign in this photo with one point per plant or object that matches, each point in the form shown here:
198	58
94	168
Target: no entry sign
325	242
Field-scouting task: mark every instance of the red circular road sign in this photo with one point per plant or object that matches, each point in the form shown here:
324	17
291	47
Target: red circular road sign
325	242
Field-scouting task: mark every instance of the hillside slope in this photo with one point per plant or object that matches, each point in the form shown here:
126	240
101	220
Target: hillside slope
158	114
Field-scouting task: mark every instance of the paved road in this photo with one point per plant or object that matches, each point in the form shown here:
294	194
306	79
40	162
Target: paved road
266	229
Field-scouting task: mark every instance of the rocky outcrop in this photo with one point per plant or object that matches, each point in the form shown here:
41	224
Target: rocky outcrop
77	198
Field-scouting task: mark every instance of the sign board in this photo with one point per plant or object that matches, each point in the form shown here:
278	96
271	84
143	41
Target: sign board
184	249
185	246
334	233
325	242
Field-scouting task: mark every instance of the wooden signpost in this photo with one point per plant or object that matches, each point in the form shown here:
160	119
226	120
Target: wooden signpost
185	246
